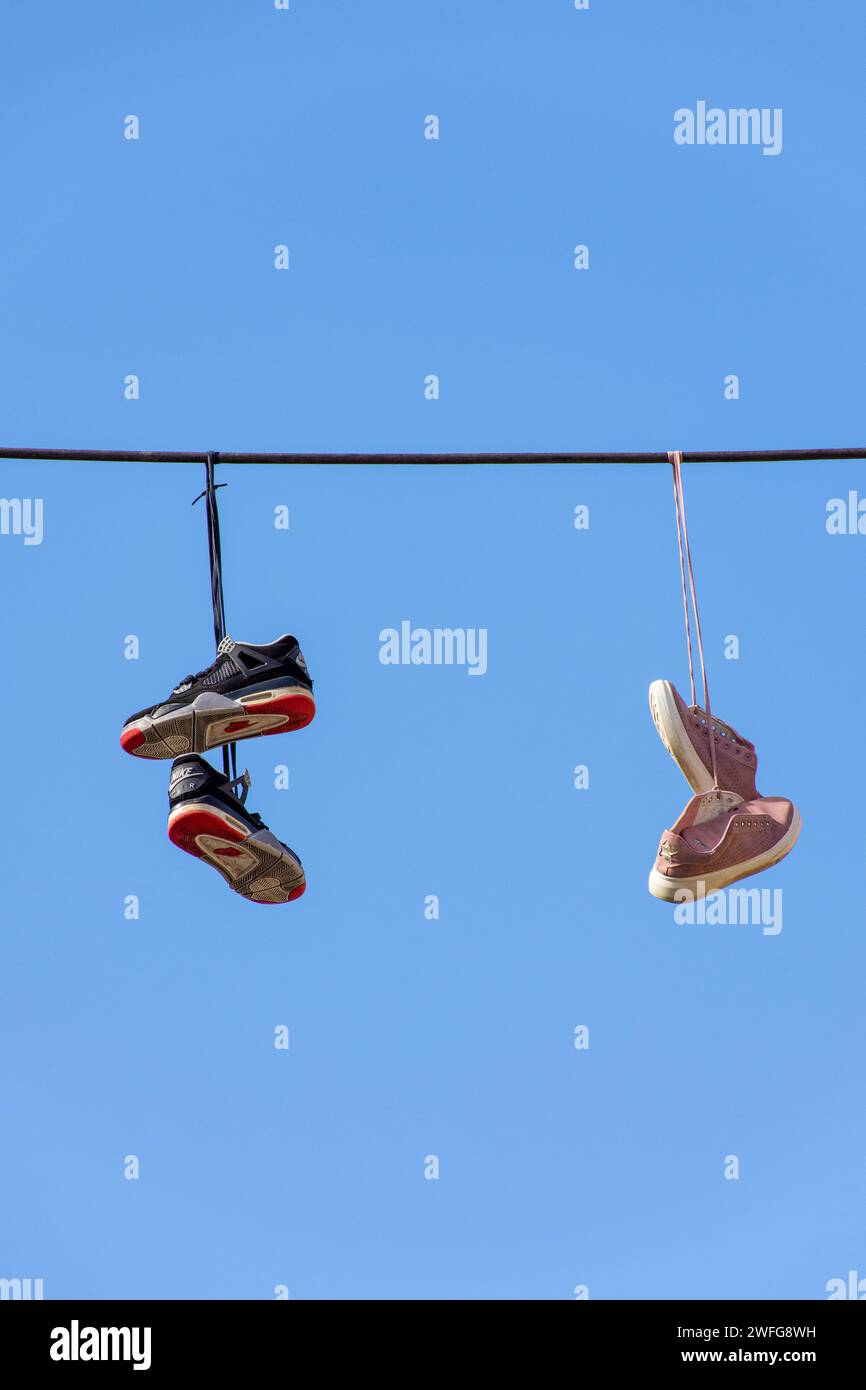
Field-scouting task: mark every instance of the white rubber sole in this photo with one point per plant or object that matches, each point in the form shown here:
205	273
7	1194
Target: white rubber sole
673	734
665	888
213	720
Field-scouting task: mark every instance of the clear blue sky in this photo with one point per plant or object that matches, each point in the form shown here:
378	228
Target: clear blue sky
408	1037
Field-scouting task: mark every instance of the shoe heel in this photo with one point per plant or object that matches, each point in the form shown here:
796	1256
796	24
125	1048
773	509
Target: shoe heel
295	704
188	822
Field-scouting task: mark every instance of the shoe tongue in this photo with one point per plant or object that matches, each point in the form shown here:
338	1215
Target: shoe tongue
709	805
225	646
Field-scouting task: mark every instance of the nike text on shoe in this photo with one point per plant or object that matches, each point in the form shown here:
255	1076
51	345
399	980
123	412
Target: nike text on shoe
684	731
207	818
247	690
719	839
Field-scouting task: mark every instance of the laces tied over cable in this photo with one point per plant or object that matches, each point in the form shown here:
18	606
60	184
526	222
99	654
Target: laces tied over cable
676	460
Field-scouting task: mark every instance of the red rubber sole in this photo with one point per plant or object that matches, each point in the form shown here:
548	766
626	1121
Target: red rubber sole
131	739
298	707
188	822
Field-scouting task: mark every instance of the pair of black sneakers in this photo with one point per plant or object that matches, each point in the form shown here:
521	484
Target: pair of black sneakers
248	690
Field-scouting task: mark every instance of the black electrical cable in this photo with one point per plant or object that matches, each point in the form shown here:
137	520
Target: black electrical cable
516	457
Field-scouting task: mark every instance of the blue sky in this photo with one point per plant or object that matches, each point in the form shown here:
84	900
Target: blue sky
409	1037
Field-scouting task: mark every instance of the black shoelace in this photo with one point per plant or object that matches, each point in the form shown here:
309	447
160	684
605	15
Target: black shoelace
205	671
230	766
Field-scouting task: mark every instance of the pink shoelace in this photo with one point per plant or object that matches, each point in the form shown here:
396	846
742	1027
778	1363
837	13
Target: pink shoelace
676	460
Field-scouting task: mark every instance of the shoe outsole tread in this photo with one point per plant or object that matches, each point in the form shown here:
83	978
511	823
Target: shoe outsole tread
257	871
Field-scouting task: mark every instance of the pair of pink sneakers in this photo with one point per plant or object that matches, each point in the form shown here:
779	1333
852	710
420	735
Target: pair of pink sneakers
728	830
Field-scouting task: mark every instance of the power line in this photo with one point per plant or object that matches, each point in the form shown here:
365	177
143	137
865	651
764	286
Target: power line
517	457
